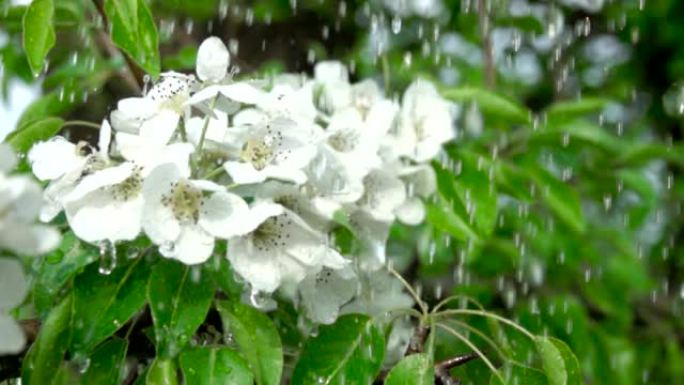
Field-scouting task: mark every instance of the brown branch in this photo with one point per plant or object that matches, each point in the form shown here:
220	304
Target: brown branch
489	69
417	343
135	75
442	368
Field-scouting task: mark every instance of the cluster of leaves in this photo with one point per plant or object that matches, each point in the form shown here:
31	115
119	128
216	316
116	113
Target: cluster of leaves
541	215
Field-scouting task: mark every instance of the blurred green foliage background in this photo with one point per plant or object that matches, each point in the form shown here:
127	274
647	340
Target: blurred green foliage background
563	213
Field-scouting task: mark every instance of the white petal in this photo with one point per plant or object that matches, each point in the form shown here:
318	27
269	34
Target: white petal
212	60
28	239
223	215
260	269
331	71
325	292
244	173
13	284
193	246
20	198
411	212
104	139
122	223
260	211
12	339
160	128
107	177
8	160
54	158
158	221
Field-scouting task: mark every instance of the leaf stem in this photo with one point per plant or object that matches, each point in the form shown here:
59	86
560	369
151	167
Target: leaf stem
474	348
81	123
409	288
488	315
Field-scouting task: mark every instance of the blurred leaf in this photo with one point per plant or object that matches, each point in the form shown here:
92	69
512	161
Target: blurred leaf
184	59
162	372
103	303
527	23
23	139
490	103
47	352
560	364
559	197
583	131
442	218
133	30
179	299
257	338
568	110
416	369
106	363
214	366
476	189
349	351
50	104
39	33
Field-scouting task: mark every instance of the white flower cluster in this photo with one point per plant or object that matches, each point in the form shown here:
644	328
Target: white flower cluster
266	165
20	203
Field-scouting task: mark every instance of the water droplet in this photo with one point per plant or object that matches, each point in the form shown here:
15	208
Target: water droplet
396	24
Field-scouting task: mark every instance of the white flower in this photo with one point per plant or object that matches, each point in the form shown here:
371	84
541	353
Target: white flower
282	248
325	292
20	204
277	149
13	289
183	221
380	292
592	6
420	182
332	86
212	60
348	138
425	123
162	106
383	193
107	204
63	164
372	235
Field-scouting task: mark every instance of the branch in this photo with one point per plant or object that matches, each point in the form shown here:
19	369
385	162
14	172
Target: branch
489	70
135	75
442	368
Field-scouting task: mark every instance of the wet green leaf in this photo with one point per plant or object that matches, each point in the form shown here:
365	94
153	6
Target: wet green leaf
107	363
257	338
104	303
560	364
23	139
215	366
132	29
39	33
416	369
350	351
490	103
179	298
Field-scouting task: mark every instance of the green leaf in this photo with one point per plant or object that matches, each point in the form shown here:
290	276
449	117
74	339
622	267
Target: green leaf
565	110
36	131
475	188
527	23
416	369
179	299
106	363
559	197
581	131
215	366
350	351
39	33
517	374
560	364
104	303
257	338
58	268
440	216
47	105
162	372
47	352
490	103
133	30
